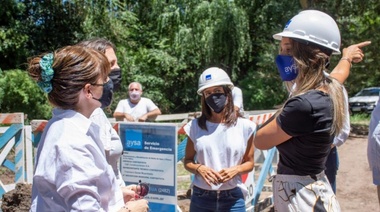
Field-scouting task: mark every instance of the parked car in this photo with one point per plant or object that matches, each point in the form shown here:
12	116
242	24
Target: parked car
364	101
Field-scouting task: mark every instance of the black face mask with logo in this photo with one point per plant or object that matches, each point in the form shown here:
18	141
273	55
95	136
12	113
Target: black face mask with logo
115	76
107	95
216	102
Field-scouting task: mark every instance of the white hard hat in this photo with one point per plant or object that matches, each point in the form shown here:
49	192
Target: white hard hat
213	77
313	26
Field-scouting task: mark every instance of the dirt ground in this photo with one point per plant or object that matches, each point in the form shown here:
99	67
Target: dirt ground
355	190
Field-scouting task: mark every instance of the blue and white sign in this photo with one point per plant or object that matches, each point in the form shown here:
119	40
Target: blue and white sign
150	155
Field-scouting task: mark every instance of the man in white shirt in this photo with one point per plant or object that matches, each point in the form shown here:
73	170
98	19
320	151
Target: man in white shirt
136	108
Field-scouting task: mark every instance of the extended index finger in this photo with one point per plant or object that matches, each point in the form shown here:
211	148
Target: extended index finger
363	44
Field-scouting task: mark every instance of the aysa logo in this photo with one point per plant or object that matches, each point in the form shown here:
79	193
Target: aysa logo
292	69
208	77
133	139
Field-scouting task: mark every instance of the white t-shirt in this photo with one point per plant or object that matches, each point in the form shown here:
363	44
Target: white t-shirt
111	142
220	147
71	171
343	135
144	106
237	95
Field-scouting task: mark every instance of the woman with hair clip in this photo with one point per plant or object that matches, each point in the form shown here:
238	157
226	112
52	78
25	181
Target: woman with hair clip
304	128
71	171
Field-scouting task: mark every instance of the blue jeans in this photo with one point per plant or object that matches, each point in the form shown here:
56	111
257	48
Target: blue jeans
217	201
332	165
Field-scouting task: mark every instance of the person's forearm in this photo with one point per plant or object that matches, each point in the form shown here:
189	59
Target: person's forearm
246	167
153	113
121	116
342	70
351	54
118	115
191	166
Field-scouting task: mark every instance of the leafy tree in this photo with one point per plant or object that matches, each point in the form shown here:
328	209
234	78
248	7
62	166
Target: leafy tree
11	40
22	95
165	45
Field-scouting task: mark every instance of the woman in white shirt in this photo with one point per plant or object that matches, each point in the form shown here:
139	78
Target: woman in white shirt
223	145
71	170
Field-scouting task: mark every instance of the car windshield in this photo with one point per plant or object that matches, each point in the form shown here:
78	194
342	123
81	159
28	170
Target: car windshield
369	92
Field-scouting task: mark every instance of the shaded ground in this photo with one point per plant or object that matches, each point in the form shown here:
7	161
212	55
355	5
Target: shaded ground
355	191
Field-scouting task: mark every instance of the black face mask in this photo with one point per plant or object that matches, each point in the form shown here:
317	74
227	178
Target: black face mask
115	76
107	95
216	102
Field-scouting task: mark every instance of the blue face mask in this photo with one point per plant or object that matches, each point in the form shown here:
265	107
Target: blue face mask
285	65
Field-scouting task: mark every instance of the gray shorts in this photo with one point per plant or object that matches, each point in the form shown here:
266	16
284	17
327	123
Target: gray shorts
293	193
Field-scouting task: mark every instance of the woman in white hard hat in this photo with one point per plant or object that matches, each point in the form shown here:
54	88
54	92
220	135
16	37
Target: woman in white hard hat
304	129
288	73
223	145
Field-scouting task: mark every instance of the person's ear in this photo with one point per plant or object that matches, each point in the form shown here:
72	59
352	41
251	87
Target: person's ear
87	90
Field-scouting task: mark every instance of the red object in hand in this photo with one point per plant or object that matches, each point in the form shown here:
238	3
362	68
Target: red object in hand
142	189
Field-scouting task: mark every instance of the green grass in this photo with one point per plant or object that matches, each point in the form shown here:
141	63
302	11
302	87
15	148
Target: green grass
183	184
360	119
181	170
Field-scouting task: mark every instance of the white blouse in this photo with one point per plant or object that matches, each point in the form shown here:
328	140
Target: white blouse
71	171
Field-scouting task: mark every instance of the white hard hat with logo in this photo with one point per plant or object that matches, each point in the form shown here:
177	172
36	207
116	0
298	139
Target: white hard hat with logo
313	26
213	77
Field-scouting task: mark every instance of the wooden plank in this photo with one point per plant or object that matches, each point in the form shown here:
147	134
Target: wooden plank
38	125
172	117
6	150
10	133
164	117
28	154
11	118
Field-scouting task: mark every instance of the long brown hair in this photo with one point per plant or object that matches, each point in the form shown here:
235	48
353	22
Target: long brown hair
311	60
229	114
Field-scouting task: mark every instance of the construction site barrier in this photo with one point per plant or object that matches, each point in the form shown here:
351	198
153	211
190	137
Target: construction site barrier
23	139
12	148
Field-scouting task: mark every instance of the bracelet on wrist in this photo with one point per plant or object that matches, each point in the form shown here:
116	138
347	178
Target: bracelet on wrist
196	170
348	59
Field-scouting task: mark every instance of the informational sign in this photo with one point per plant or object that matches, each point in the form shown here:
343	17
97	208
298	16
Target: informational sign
150	156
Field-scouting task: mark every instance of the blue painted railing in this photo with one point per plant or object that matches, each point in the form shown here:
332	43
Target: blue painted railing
12	138
266	169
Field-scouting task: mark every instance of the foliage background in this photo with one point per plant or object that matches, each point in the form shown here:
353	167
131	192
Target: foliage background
165	45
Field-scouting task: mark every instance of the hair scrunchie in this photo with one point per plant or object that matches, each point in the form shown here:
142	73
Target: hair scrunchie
47	73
